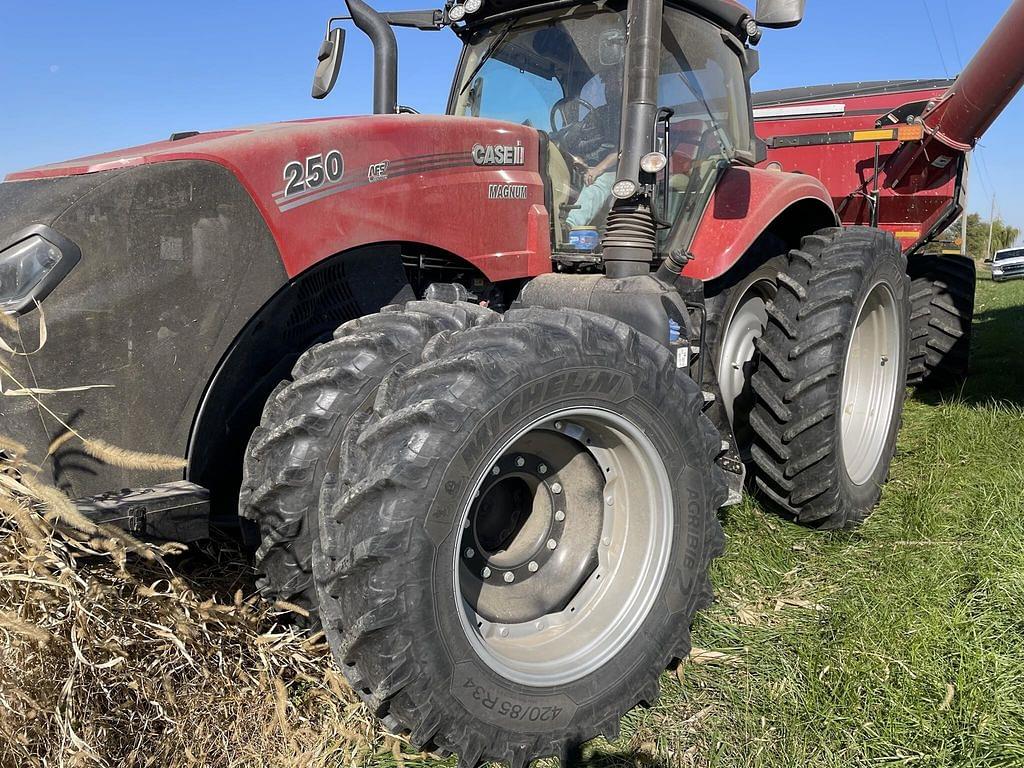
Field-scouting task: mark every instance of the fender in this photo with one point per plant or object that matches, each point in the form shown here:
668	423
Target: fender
745	203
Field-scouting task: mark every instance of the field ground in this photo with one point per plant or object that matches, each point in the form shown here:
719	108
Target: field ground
901	643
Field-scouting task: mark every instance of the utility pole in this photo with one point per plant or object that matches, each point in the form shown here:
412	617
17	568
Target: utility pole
991	223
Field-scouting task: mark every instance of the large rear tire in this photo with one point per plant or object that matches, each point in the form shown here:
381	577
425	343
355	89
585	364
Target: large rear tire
830	383
304	418
527	538
942	298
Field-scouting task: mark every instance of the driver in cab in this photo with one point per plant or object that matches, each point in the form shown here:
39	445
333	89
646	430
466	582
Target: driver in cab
594	139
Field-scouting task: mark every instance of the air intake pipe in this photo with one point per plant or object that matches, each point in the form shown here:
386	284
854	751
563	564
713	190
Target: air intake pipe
629	243
385	56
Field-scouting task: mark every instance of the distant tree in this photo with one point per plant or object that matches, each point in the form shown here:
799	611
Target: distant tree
1003	235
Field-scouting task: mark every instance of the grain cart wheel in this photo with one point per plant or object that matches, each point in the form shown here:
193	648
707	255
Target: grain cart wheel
736	317
830	381
530	539
942	310
303	419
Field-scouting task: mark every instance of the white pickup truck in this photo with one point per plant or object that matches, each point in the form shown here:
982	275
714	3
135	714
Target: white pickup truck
1007	264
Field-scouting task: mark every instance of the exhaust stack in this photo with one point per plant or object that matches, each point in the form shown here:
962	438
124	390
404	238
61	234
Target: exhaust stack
385	56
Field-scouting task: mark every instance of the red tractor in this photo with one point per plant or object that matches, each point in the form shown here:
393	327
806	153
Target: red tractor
482	381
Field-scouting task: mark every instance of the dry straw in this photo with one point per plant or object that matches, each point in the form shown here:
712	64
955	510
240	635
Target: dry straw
110	659
111	656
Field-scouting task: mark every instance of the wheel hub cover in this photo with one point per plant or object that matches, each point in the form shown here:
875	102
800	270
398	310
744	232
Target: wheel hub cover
533	531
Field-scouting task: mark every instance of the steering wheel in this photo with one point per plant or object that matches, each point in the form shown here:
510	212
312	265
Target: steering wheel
561	107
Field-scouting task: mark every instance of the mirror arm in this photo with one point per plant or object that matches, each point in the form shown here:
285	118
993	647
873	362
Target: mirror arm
427	21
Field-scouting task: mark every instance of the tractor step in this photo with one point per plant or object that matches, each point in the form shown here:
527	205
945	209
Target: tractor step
178	511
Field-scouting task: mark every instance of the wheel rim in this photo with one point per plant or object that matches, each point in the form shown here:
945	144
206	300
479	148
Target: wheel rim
564	546
870	384
743	326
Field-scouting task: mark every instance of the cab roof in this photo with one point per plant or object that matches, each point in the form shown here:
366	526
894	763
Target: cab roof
728	13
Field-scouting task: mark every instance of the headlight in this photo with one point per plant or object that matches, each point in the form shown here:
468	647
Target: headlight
32	265
623	189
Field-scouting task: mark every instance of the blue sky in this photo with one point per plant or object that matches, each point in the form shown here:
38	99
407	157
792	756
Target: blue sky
80	77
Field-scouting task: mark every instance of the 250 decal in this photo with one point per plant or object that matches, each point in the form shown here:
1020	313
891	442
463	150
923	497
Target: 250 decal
315	172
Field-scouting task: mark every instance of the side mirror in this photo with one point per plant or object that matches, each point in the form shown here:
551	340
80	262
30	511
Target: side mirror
328	63
987	261
779	14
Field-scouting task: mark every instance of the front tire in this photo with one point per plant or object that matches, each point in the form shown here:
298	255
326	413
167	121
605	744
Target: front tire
528	538
830	383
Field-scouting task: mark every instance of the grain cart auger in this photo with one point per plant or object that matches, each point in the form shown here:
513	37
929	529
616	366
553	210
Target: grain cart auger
483	379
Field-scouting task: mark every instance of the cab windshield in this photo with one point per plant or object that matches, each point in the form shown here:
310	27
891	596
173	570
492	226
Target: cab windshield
562	74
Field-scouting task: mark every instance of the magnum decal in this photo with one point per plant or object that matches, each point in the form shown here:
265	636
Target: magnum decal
507	191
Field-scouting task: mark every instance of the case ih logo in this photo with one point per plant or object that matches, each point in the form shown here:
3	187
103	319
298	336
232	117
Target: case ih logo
498	154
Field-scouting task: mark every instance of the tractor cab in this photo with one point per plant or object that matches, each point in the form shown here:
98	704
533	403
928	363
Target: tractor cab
635	117
563	72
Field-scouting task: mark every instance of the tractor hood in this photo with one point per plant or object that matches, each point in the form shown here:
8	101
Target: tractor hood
212	145
326	185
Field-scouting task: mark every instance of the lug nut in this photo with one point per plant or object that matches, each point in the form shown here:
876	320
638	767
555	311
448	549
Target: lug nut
503	632
495	470
556	487
559	515
543	469
558	425
520	461
509	577
552	543
470	552
532	567
609	500
486	572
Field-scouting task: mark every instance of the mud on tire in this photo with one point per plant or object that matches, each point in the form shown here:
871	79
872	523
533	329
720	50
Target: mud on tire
942	311
304	418
401	620
828	400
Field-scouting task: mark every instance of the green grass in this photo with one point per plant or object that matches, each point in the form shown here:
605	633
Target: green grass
901	642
